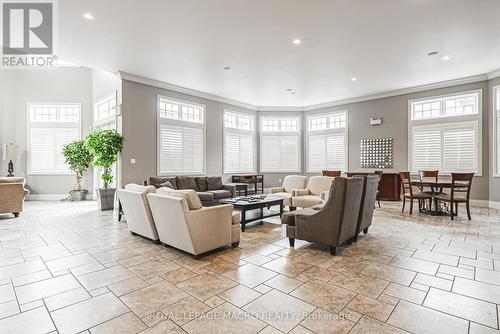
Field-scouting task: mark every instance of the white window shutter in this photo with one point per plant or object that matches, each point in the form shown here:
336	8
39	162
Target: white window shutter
316	152
280	153
239	152
46	148
181	149
459	146
426	150
335	151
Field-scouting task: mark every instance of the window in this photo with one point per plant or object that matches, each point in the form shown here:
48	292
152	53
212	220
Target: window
445	133
105	111
181	137
496	131
327	142
280	144
50	126
239	143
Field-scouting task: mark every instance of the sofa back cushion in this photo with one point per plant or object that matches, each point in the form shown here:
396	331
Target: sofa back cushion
186	182
201	181
158	180
214	183
292	182
318	184
190	196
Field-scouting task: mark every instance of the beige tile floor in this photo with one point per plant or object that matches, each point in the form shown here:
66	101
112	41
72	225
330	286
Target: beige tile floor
67	268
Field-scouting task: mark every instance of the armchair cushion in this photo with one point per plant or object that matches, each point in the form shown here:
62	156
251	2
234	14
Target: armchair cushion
306	201
186	182
273	190
205	196
191	197
220	194
300	192
286	197
288	218
236	218
214	183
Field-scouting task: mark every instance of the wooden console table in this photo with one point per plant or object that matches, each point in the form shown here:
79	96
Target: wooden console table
254	179
390	185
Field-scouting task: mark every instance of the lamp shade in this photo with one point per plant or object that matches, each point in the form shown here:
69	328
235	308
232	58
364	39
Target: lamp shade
12	152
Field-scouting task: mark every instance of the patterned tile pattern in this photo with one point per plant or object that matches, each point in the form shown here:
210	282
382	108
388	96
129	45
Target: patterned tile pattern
67	268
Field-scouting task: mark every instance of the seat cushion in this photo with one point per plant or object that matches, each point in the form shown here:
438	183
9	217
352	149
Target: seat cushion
236	217
205	196
286	197
446	197
158	180
418	194
306	201
220	194
186	182
214	183
318	206
201	181
191	197
288	218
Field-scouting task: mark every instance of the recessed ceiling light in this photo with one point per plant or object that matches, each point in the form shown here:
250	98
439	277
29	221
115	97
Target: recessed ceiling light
288	89
297	41
293	93
89	16
445	58
354	79
227	68
433	53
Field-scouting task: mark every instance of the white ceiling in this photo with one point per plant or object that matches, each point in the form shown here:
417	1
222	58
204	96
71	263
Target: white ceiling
188	42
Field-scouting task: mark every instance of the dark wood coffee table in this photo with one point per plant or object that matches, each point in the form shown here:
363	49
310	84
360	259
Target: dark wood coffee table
244	205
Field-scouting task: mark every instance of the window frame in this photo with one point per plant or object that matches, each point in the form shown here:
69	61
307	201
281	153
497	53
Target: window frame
254	140
179	122
29	170
443	120
344	130
109	119
496	135
298	133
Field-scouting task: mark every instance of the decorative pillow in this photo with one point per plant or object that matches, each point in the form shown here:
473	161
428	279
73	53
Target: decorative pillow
166	184
214	182
157	180
191	197
201	181
186	182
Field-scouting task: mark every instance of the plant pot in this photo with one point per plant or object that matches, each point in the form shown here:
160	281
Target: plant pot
106	198
77	196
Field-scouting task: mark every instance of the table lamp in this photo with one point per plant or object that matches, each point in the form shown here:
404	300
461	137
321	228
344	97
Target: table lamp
11	153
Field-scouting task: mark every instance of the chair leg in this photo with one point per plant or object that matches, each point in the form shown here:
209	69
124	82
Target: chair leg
468	210
378	203
292	208
456	209
355	238
235	244
349	241
404	202
411	206
291	241
16	214
451	212
333	250
365	231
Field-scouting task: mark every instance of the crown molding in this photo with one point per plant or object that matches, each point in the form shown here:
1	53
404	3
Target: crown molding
184	90
410	90
493	74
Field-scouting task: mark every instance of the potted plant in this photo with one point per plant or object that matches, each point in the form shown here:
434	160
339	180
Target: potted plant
104	146
78	159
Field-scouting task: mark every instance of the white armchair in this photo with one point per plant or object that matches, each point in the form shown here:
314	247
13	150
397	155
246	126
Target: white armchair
195	231
290	183
137	211
314	193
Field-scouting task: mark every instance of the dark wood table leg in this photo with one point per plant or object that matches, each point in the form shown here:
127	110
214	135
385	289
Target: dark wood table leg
281	209
246	191
119	211
243	220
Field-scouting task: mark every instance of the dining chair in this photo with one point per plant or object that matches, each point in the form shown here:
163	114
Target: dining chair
459	193
430	175
410	194
333	173
379	173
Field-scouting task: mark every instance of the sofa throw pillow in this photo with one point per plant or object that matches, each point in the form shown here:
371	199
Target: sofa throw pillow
157	180
214	182
191	197
186	182
166	184
201	181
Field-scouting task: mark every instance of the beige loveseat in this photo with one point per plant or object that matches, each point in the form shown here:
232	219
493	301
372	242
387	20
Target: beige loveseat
12	195
313	194
137	212
290	183
183	223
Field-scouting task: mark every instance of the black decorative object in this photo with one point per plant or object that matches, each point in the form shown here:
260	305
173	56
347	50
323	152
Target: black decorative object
376	153
11	169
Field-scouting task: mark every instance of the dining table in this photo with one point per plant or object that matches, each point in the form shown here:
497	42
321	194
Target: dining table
436	188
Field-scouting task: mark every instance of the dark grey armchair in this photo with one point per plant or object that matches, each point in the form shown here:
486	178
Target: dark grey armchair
333	224
368	199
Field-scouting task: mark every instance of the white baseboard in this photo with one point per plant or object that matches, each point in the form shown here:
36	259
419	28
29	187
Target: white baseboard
494	205
482	203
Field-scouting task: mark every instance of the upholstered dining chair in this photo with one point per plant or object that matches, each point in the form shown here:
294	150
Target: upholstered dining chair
408	192
333	173
459	193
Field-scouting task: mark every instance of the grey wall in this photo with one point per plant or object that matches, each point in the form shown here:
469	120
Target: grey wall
139	112
494	181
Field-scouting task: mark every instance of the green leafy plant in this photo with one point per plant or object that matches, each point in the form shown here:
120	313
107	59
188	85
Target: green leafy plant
104	146
78	159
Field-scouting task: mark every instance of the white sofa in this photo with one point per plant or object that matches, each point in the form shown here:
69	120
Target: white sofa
183	223
137	212
313	194
290	182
